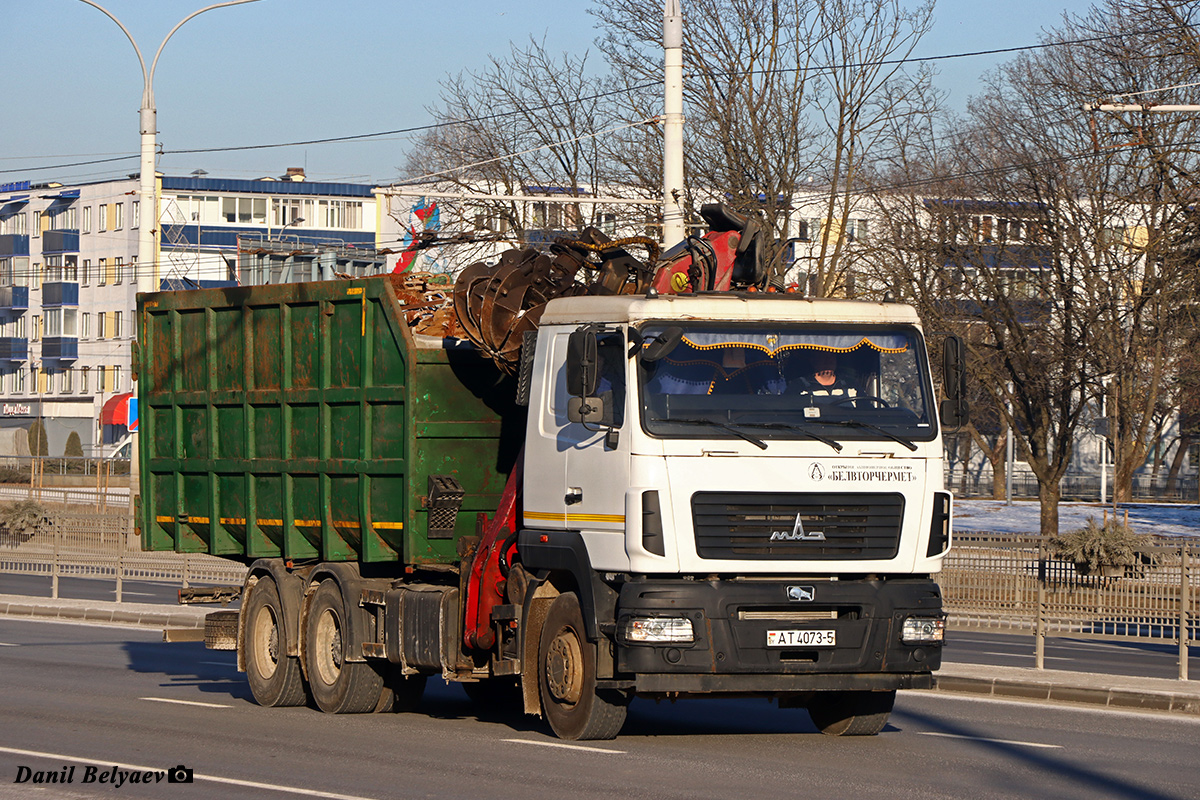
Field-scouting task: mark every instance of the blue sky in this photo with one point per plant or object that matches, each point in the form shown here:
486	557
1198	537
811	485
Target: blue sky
288	70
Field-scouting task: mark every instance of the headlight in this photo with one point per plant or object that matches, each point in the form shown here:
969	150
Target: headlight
655	630
922	630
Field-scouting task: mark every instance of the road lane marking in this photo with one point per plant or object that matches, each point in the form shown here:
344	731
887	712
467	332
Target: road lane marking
565	746
185	702
1028	655
991	741
9	644
274	787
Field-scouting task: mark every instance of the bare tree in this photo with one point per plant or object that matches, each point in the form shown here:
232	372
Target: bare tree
529	123
1052	251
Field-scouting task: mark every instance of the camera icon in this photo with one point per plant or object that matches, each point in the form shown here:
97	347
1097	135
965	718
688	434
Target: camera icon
180	774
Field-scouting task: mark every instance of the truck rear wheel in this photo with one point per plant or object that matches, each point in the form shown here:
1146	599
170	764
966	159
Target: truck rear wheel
273	675
573	705
338	686
851	713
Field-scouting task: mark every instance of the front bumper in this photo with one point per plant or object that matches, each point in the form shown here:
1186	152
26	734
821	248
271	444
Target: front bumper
731	618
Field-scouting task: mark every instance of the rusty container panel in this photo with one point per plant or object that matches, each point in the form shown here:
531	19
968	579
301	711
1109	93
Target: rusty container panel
304	421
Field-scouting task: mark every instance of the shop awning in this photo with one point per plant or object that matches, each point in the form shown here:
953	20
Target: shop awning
120	409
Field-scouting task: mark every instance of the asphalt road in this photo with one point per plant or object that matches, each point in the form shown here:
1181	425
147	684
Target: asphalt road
80	696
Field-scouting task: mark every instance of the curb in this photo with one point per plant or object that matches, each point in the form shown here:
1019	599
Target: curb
104	613
1068	689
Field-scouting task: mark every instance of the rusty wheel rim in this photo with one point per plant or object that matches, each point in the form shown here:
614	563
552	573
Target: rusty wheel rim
564	668
328	650
264	641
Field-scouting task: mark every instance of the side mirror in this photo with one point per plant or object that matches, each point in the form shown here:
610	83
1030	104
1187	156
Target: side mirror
582	363
661	346
585	409
955	410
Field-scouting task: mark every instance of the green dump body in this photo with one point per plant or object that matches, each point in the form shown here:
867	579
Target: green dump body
303	421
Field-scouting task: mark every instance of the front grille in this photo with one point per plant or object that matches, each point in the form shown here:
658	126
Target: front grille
833	527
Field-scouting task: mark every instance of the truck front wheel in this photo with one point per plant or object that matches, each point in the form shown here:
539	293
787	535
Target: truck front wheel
573	705
851	713
273	675
338	686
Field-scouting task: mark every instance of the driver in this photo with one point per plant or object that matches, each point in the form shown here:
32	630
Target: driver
823	380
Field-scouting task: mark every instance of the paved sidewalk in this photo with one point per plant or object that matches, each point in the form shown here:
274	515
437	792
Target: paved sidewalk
1114	691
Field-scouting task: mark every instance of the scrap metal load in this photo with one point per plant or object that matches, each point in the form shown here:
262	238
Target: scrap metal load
496	304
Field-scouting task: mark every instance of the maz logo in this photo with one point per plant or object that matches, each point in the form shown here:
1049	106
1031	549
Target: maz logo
797	534
801	594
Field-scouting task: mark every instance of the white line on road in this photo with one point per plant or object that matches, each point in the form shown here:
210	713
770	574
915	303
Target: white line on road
128	593
274	787
991	741
9	644
1028	655
565	746
184	702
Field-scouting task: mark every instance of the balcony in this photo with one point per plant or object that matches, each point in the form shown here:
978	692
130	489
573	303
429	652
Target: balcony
60	241
60	293
15	298
14	244
64	348
13	348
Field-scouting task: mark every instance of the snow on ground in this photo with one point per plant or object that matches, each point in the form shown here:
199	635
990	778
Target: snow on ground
1023	516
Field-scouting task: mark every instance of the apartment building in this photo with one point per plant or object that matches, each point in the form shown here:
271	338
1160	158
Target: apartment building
69	275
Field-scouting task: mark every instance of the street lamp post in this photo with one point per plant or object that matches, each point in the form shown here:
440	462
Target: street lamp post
148	119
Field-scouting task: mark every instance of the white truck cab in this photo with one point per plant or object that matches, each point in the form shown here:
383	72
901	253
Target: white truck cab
754	481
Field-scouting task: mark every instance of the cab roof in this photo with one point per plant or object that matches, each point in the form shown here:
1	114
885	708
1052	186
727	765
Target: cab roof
722	307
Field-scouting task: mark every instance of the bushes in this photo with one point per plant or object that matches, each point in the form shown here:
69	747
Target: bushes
1096	546
20	521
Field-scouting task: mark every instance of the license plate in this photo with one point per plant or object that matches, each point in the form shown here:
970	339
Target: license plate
801	639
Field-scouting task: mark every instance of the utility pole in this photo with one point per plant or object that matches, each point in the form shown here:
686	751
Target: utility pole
674	227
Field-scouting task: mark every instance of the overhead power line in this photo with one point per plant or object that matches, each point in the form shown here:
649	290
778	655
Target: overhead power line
549	106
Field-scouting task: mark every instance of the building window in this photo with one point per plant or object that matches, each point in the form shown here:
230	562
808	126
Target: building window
36	273
118	216
37	223
85	328
87	219
116	378
101	319
64	382
19	381
37	327
118	268
103	218
87	271
102	272
116	326
136	213
133	276
61	321
45	381
83	380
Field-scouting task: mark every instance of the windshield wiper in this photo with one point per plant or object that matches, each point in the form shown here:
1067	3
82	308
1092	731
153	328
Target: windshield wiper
754	440
855	423
799	429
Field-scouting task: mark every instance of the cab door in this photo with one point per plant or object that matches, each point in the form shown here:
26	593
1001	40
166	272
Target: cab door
575	472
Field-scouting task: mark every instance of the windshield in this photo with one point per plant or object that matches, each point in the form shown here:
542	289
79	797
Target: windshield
825	383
